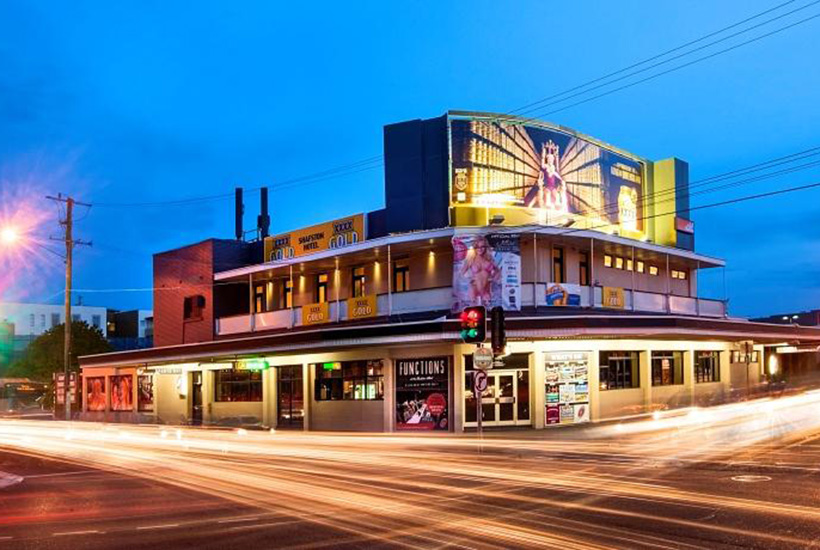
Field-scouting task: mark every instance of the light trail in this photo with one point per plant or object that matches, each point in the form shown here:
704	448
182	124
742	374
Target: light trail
539	489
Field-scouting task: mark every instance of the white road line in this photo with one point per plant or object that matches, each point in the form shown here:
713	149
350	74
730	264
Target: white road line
89	532
237	520
163	526
59	474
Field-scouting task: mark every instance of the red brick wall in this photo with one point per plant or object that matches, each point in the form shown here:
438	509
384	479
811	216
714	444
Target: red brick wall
180	273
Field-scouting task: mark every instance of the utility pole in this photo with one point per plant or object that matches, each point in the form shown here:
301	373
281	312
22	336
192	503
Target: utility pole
68	223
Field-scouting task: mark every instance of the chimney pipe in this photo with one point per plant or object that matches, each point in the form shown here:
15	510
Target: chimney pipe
239	211
263	222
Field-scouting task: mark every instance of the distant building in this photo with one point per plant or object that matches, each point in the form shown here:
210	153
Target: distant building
792	360
23	323
803	318
133	329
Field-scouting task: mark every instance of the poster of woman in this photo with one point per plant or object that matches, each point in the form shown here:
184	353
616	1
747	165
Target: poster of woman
122	395
486	271
96	394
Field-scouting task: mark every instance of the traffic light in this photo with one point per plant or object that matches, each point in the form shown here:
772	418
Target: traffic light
474	324
498	335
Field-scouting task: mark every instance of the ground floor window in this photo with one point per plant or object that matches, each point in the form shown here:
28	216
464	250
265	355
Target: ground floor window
238	385
667	368
707	366
619	370
349	380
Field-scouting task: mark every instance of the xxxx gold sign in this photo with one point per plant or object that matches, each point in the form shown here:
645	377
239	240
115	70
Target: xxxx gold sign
362	307
315	314
318	238
613	297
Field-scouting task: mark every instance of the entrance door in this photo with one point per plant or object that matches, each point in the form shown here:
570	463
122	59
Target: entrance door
505	402
196	398
291	398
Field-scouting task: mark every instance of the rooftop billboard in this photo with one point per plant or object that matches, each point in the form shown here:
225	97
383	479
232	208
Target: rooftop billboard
316	238
544	176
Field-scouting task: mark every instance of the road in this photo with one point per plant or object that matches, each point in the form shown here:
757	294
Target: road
736	476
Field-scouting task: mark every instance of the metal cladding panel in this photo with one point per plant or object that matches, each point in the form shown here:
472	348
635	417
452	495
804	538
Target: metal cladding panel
415	170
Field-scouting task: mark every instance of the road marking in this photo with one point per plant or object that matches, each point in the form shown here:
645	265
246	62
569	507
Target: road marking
59	474
89	532
236	520
163	526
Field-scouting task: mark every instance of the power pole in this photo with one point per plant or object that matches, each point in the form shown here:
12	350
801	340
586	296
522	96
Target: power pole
68	223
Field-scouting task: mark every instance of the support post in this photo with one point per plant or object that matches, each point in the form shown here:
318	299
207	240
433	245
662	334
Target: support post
252	307
69	246
389	283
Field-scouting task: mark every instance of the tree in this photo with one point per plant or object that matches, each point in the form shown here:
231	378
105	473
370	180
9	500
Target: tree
44	355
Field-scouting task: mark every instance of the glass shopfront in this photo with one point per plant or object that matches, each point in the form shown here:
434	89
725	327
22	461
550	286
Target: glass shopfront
506	401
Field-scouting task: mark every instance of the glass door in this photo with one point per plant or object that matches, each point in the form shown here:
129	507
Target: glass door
505	402
291	398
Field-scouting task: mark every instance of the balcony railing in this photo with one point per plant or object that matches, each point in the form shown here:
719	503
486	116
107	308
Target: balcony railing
438	299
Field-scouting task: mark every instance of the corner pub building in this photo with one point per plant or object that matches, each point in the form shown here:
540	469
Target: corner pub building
353	324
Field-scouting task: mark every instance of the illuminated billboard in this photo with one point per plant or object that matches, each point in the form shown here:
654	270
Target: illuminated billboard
534	174
317	238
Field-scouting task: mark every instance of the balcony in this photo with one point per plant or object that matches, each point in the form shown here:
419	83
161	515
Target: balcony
439	299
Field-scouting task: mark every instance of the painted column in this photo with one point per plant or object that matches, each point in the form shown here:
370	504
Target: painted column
645	366
594	373
538	390
389	418
689	375
307	393
458	388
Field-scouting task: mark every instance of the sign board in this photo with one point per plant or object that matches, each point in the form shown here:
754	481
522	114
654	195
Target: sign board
59	389
362	307
685	226
423	393
483	358
612	297
560	294
252	364
317	238
480	382
315	314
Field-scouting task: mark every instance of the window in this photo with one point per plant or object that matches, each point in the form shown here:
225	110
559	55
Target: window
607	260
42	320
584	268
321	288
192	310
75	318
667	368
678	274
619	370
238	385
707	366
259	298
95	321
401	276
358	282
629	265
286	294
31	320
619	263
558	274
653	270
639	266
55	319
349	380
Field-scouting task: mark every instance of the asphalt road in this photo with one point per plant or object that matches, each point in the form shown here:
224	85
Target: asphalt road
743	477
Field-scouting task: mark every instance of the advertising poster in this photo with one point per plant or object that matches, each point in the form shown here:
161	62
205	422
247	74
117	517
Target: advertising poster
316	314
569	372
96	393
422	394
145	393
487	271
613	297
553	414
544	175
563	294
122	394
362	307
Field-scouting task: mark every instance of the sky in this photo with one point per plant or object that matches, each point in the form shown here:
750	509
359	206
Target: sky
125	103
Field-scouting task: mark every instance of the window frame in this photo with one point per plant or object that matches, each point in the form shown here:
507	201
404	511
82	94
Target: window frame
559	272
358	281
653	270
656	374
193	307
608	260
401	266
584	274
321	288
626	366
352	375
250	395
707	374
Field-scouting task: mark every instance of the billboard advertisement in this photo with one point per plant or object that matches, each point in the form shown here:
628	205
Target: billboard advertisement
145	392
95	400
317	238
545	176
122	393
487	271
422	393
566	378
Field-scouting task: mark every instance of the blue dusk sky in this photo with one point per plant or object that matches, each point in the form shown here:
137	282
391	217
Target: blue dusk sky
136	102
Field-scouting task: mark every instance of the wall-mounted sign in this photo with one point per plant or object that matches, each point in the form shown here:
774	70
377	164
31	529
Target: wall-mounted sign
317	238
685	226
169	370
315	314
563	294
252	364
566	377
612	297
487	271
423	393
362	307
531	173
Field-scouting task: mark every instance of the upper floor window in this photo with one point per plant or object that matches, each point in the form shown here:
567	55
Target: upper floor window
607	260
629	265
259	298
401	276
321	288
676	274
75	318
639	266
358	282
667	368
619	263
55	319
286	294
558	272
96	321
619	370
653	270
583	265
31	318
43	320
707	366
193	307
